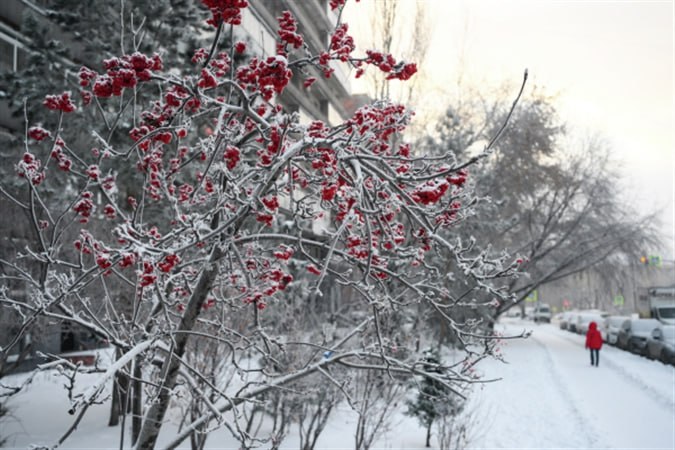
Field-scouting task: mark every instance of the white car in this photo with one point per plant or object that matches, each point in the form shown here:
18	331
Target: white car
661	344
613	325
564	320
586	317
634	333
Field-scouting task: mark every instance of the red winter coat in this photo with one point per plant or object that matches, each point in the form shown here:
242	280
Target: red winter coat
593	337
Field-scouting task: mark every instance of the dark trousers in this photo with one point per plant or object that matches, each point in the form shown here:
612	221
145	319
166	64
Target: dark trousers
595	357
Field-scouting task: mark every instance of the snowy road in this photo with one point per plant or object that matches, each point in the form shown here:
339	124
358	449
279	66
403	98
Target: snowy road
551	397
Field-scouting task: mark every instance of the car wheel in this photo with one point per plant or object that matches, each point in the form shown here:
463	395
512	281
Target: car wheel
665	358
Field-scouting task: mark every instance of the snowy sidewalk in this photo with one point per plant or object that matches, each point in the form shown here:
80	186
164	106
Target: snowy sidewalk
551	397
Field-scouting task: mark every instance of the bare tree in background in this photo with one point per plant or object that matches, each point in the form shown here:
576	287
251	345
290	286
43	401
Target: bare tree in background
556	202
376	397
401	28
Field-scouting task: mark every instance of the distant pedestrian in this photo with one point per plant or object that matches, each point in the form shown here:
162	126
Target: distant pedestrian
594	343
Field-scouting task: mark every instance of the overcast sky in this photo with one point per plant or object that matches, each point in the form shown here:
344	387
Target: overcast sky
610	63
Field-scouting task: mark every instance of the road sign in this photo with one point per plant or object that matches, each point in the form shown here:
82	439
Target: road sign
619	300
655	260
533	297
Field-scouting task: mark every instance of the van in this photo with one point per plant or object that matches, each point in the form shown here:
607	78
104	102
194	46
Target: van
542	313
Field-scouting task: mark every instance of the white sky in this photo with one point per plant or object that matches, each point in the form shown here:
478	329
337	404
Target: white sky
610	63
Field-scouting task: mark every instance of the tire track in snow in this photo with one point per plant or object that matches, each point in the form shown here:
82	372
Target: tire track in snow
655	395
581	421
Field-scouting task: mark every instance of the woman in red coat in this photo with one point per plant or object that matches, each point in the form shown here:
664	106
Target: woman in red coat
594	343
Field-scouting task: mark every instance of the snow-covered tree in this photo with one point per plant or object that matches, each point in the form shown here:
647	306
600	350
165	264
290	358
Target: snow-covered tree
556	200
230	225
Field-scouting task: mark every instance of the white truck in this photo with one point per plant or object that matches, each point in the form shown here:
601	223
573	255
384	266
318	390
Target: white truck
658	303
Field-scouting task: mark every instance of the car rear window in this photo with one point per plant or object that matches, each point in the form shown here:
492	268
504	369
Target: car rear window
616	321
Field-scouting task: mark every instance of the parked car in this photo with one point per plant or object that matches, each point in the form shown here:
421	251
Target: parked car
529	310
661	344
563	318
634	333
612	327
513	313
542	313
586	317
572	321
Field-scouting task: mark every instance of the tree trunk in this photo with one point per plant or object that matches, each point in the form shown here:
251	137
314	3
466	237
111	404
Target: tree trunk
428	444
116	405
136	402
154	418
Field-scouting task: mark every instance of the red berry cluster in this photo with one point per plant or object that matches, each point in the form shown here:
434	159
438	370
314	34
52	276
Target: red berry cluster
62	160
109	211
147	276
430	192
103	260
127	260
267	219
225	11
38	133
284	253
93	172
388	64
459	178
271	203
268	77
231	156
207	80
59	102
121	73
169	262
381	121
449	216
288	32
268	275
29	168
219	66
341	43
85	206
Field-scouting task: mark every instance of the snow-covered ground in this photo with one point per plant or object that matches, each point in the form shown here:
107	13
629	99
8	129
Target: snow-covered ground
548	396
551	397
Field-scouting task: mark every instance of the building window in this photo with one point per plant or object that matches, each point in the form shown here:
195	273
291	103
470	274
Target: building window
12	53
6	55
323	107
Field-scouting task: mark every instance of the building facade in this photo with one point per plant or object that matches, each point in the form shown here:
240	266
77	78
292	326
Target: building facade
620	295
328	99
